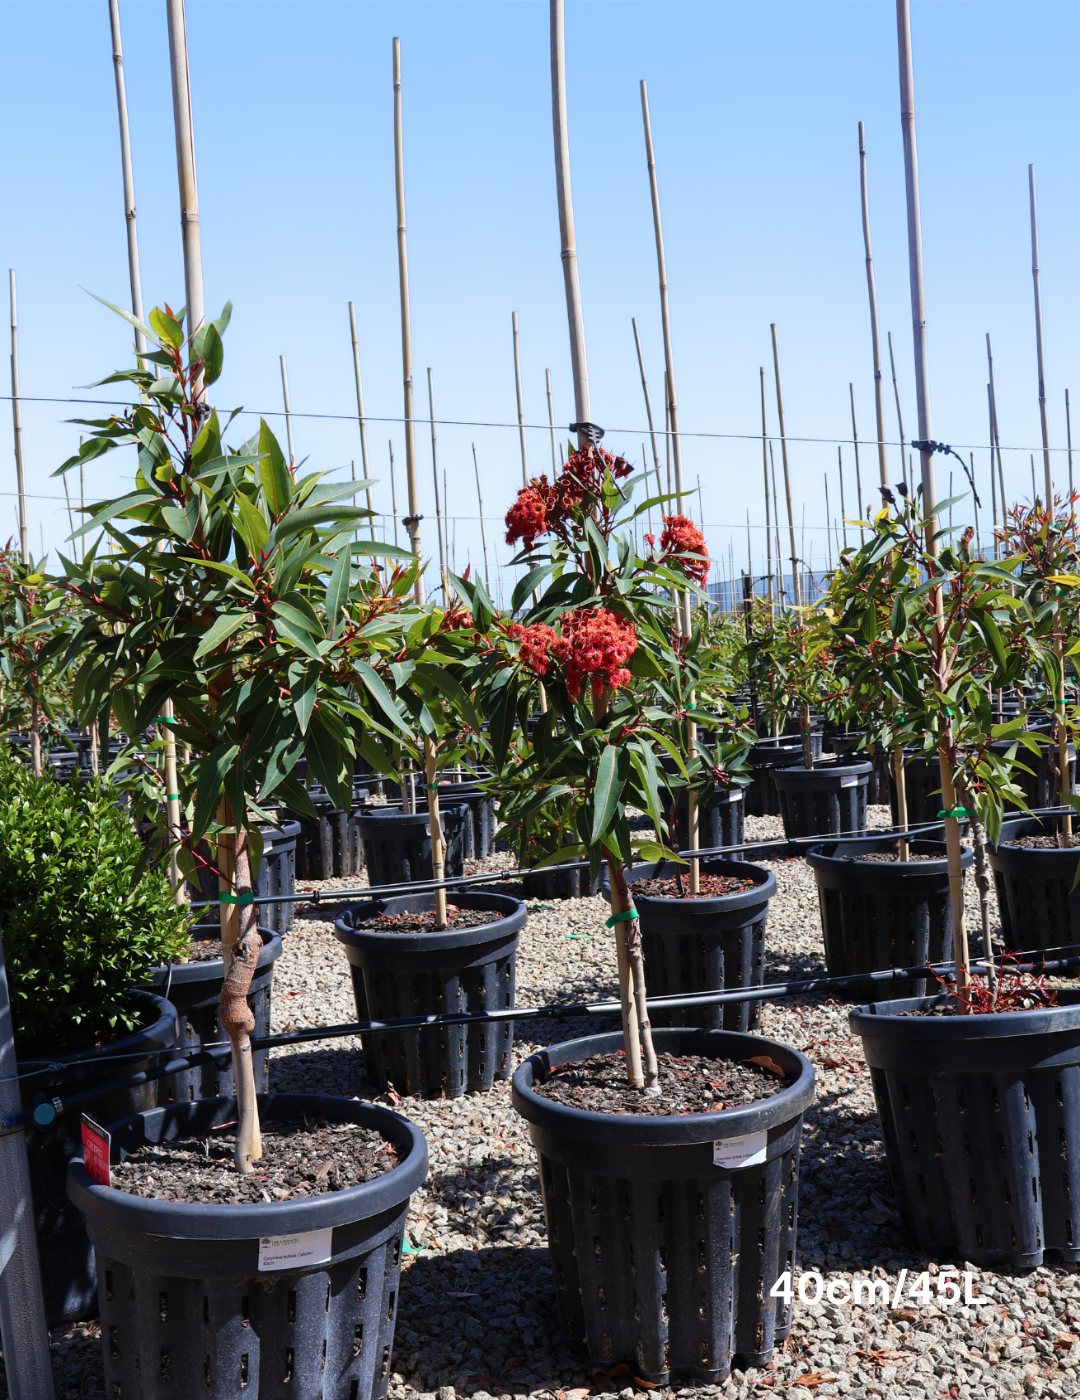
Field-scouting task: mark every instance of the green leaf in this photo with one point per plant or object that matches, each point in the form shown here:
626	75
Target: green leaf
608	789
273	473
209	779
165	328
337	588
303	687
330	763
206	346
297	610
373	682
251	525
225	626
294	797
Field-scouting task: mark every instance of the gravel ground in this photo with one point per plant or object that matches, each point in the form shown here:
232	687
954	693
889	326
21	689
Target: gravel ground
476	1312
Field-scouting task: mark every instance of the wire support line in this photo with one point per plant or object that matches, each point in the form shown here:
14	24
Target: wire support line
546	427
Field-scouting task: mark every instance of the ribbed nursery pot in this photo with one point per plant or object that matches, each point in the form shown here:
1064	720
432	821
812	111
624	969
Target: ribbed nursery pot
397	845
981	1119
188	1309
881	914
663	1258
1038	899
421	974
825	801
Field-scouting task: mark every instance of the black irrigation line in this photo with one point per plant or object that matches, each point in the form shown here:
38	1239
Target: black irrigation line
780	847
554	1011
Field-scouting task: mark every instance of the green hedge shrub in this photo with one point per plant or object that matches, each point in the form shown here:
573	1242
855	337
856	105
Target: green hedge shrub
79	929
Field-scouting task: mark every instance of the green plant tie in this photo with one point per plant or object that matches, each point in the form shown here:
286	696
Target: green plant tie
246	898
957	812
172	796
623	917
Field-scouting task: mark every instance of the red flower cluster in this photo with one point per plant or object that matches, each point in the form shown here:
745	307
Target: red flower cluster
544	508
594	646
535	643
682	536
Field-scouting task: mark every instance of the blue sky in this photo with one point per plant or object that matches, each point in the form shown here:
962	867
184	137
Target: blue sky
754	109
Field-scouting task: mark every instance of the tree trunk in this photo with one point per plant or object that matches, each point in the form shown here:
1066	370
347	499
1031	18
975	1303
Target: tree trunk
641	1068
438	845
982	881
900	782
956	876
35	738
236	1018
807	741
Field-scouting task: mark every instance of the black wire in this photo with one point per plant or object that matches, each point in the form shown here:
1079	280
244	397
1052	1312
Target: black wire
931	447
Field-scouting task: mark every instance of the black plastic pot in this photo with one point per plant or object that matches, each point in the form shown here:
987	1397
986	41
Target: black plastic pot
720	820
558	884
397	846
323	848
761	797
420	974
1038	904
981	1119
479	830
194	989
186	1309
877	915
704	945
663	1260
67	1257
276	875
922	786
825	801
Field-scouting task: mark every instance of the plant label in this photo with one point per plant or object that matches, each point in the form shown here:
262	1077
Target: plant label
735	795
280	1252
849	782
746	1151
97	1145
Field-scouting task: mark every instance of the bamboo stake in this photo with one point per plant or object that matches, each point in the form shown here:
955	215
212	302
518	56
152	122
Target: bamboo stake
520	402
129	181
765	469
82	498
551	425
796	583
185	167
393	490
20	474
993	474
843	506
994	424
566	230
776	530
438	498
412	520
1039	340
858	473
828	517
360	417
288	410
875	336
483	533
926	460
1068	434
899	414
1034	488
975	507
648	404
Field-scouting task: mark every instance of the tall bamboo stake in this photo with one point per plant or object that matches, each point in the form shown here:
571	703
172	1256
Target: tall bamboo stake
648	404
551	425
520	402
566	221
858	473
926	460
1068	436
412	521
765	469
1037	287
843	506
393	490
439	525
875	336
994	423
993	473
899	413
172	783
185	166
776	530
360	415
288	410
20	481
975	507
828	517
483	532
796	583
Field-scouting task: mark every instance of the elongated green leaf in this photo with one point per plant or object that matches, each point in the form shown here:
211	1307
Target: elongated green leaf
294	797
300	613
207	347
114	509
251	525
273	473
310	517
224	627
303	687
209	779
373	683
607	791
139	325
337	588
165	328
330	763
299	636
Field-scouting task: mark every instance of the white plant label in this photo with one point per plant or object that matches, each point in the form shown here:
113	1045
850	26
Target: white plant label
277	1252
746	1151
735	795
849	782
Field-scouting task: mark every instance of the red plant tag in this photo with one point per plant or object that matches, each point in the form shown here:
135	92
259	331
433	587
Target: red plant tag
96	1151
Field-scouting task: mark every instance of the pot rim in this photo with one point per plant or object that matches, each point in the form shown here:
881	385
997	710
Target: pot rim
873	1024
818	857
763	891
512	922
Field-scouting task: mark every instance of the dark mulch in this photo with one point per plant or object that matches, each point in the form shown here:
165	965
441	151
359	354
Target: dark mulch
203	950
1039	843
891	857
425	923
688	1084
711	887
298	1160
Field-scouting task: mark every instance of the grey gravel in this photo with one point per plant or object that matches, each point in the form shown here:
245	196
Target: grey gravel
476	1312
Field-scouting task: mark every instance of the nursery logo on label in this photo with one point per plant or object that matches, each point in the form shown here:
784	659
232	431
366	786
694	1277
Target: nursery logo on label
877	1292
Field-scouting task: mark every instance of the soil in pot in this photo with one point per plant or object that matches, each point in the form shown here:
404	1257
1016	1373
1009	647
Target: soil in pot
668	1232
688	1084
424	922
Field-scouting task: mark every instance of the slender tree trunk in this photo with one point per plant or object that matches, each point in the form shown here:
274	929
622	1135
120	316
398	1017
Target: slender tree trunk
237	1021
438	845
982	882
641	1067
900	783
956	872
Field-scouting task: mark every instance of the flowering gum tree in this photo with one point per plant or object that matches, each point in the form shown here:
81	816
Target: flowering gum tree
235	590
599	636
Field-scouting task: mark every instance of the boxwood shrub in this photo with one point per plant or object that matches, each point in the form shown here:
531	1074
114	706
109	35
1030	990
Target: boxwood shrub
80	925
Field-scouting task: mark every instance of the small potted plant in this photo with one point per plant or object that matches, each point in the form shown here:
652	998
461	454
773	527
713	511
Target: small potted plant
640	1169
